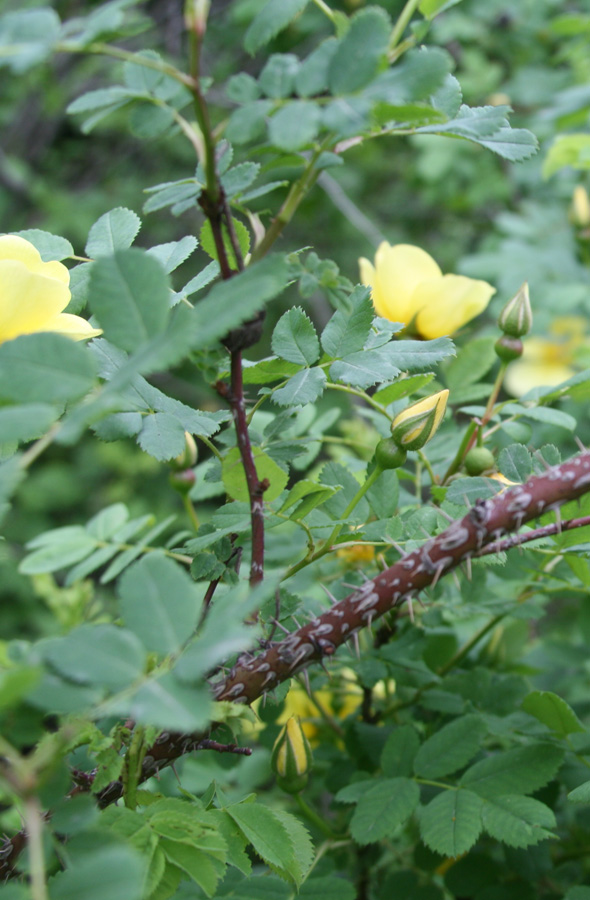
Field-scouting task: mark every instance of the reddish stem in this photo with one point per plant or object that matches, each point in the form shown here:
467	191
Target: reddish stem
546	531
256	487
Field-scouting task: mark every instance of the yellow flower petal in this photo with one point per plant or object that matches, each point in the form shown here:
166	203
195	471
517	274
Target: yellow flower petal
367	272
74	327
28	300
446	304
524	375
17	248
398	271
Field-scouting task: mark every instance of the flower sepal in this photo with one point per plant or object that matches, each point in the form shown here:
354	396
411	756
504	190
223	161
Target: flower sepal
291	759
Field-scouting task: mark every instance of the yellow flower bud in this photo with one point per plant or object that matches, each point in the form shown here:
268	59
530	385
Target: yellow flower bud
413	427
516	319
188	458
195	15
291	759
580	208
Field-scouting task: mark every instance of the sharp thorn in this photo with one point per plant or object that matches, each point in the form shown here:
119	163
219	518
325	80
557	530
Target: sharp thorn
580	444
356	645
279	625
456	581
558	519
298	626
399	549
329	594
381	561
444	514
541	459
305	676
411	609
264	696
467	501
468	567
347	584
437	574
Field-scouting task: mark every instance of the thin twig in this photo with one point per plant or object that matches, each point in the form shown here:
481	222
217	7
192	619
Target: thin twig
545	531
256	487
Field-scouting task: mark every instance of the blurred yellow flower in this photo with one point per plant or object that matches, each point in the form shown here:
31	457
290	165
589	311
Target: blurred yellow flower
338	704
580	208
33	294
547	361
356	554
408	286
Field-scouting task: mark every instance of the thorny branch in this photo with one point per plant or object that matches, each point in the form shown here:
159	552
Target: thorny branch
481	530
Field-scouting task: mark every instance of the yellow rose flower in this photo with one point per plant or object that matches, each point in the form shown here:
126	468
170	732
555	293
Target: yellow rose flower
547	361
33	294
356	555
408	286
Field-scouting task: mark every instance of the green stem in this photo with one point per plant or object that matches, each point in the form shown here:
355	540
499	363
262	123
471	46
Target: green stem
460	452
36	449
326	10
426	463
402	23
179	557
327	718
470	644
211	446
494	394
191	512
100	49
356	393
578	756
204	122
440	784
133	763
489	410
34	827
327	546
312	816
296	194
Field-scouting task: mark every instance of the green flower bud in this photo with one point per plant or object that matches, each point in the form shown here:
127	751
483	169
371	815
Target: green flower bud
478	460
291	759
508	348
182	481
413	427
516	319
188	458
388	455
